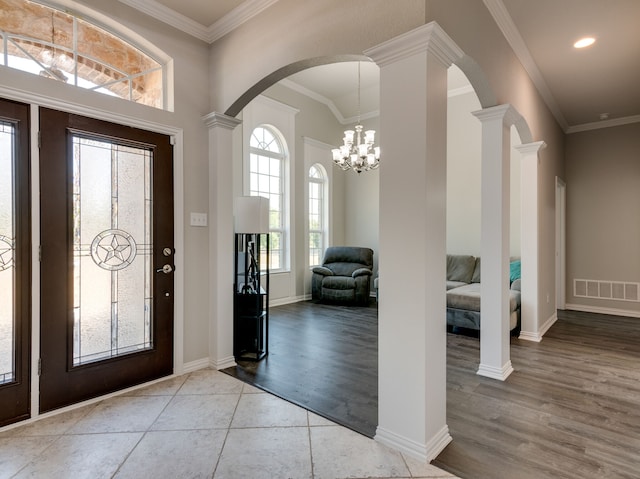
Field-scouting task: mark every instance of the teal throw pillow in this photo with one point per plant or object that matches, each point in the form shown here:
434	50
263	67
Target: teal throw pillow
514	270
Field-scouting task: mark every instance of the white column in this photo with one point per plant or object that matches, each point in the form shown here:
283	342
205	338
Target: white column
495	359
412	308
221	239
529	249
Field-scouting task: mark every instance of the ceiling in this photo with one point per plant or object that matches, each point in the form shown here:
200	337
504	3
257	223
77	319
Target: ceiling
579	86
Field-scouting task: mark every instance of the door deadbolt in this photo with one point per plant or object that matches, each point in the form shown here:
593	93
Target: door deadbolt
167	251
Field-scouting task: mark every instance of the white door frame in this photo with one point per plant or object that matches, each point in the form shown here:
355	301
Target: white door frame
561	227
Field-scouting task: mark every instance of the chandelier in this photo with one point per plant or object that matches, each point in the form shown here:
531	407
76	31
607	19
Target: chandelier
357	153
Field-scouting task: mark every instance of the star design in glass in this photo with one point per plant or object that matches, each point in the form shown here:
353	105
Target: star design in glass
6	254
114	249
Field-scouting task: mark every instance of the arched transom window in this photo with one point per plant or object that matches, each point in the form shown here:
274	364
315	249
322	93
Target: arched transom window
51	43
267	178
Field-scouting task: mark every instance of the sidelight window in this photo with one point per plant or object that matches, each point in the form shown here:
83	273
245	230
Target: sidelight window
7	239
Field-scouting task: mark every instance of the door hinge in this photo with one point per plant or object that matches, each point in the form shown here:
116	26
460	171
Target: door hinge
39	140
40	253
39	366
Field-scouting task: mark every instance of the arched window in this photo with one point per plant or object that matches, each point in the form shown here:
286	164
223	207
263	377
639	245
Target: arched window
62	46
267	178
317	214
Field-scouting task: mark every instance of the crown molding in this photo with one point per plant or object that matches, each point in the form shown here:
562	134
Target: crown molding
508	28
170	17
326	101
236	17
596	125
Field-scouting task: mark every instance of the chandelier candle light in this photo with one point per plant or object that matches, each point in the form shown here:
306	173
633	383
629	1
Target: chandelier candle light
356	153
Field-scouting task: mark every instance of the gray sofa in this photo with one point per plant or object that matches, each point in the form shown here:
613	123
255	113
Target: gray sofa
463	294
344	276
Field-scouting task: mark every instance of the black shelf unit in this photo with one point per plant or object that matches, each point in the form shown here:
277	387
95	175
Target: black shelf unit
251	296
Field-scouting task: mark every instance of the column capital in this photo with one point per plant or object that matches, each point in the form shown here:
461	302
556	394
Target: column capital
506	113
427	38
531	148
216	120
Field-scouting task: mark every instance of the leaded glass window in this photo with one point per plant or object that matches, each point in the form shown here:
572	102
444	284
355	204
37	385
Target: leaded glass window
7	240
112	240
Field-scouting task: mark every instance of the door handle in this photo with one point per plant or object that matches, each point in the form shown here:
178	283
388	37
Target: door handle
166	269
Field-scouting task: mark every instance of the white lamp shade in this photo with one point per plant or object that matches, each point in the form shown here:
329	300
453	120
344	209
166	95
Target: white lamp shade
251	214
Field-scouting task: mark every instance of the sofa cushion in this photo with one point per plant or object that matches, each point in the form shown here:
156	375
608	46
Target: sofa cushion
468	297
454	284
514	270
476	272
460	267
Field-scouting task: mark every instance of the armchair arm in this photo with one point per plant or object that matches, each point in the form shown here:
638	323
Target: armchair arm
361	272
322	270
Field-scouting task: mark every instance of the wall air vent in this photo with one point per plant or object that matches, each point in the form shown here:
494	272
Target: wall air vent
615	290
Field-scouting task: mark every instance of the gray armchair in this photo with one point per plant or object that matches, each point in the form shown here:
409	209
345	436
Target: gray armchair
344	276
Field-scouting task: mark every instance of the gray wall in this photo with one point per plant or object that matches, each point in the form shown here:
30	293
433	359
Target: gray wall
603	199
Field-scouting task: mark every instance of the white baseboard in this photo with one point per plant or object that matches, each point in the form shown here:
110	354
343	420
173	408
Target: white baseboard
537	336
289	300
437	443
195	365
422	452
596	309
222	363
530	336
548	323
492	372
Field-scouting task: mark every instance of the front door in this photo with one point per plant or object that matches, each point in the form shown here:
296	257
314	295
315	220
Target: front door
15	264
106	257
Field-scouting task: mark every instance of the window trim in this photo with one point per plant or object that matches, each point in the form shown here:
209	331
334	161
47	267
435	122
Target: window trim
285	227
323	183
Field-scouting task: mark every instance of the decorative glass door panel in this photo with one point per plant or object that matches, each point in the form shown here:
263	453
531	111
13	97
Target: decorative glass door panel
7	270
112	218
15	263
107	257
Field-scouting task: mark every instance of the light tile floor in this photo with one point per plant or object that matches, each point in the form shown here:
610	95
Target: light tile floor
199	425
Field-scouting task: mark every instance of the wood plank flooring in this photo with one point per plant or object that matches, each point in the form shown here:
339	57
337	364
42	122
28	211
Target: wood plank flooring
323	358
570	410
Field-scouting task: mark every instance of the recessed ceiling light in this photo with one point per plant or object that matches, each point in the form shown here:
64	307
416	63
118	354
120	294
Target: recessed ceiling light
584	42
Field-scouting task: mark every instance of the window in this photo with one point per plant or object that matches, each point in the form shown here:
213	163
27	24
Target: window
61	46
317	214
266	178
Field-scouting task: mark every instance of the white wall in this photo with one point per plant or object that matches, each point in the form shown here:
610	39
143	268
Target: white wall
463	179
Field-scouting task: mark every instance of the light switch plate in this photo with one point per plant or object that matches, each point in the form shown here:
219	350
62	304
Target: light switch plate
198	219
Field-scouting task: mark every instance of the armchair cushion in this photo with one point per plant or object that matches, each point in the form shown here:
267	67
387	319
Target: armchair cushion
361	272
322	270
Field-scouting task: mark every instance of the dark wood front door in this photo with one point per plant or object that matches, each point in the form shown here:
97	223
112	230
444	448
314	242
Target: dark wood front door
107	257
15	263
